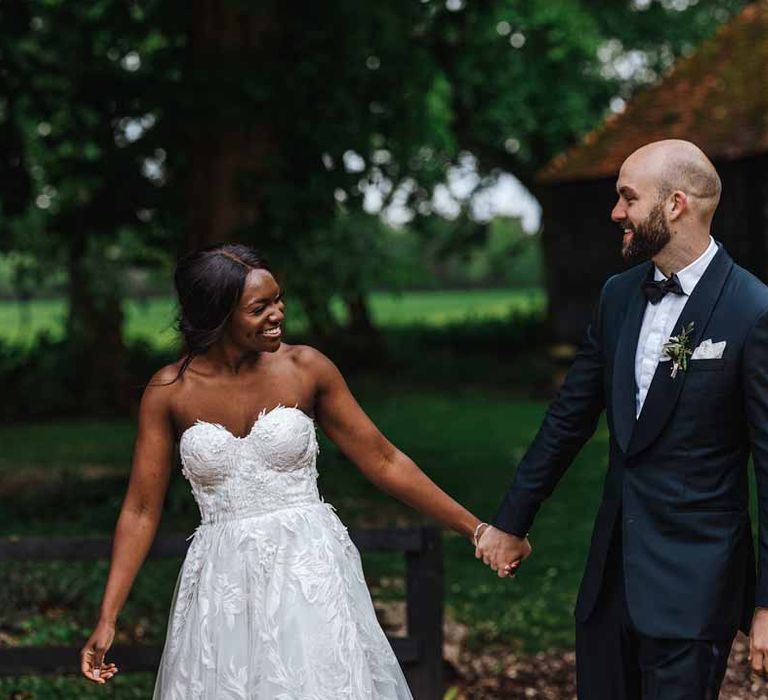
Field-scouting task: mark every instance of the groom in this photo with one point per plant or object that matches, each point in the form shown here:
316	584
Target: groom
670	575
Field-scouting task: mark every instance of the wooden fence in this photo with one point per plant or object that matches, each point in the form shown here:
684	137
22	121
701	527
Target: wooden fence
420	653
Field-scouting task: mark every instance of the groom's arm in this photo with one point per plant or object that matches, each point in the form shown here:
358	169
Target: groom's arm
755	375
569	422
755	378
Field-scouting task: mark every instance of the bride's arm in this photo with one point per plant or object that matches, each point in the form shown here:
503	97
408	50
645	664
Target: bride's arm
346	424
136	525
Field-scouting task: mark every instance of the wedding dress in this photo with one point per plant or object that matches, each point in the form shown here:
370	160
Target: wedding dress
270	602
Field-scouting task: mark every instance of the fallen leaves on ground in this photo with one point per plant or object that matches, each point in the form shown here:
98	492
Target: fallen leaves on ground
498	674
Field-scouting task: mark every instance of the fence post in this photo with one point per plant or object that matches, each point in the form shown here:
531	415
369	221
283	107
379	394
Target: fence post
420	653
424	592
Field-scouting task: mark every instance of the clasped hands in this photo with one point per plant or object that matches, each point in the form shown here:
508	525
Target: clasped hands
501	551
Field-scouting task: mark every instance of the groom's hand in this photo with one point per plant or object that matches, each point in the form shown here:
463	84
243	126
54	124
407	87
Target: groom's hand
758	641
501	551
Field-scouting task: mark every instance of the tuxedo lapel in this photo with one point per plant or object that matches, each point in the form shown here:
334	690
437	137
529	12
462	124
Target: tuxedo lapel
664	391
624	386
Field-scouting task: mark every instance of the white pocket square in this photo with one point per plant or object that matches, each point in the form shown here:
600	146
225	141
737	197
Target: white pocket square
708	350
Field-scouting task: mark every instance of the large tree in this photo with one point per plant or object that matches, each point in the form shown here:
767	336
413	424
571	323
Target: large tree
87	90
129	127
328	102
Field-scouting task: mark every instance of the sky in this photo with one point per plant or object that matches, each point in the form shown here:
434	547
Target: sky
501	195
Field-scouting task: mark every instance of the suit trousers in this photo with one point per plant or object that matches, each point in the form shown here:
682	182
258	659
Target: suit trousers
614	661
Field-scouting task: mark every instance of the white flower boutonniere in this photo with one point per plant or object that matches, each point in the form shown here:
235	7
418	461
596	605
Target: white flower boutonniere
678	349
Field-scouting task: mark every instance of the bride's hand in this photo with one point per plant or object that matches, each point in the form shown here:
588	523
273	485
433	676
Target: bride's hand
502	552
92	655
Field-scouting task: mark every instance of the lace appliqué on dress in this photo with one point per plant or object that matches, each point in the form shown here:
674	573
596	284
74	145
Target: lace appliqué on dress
271	601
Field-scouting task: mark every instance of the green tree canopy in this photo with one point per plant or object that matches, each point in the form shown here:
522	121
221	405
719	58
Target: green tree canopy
132	130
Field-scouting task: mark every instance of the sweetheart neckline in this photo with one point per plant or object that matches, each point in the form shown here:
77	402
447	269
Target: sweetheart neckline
263	414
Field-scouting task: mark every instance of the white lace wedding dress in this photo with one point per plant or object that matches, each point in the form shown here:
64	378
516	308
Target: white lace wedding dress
270	603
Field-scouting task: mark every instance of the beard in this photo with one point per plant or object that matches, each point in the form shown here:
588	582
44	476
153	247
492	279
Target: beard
648	237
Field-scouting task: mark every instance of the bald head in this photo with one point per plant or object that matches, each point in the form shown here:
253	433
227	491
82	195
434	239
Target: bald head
668	192
675	165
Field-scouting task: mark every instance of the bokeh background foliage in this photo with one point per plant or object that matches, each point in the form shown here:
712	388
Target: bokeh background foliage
365	147
134	130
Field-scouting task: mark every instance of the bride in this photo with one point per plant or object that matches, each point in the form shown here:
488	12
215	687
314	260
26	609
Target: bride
270	602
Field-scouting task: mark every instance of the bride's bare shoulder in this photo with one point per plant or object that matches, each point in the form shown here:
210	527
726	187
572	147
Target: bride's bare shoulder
166	382
309	359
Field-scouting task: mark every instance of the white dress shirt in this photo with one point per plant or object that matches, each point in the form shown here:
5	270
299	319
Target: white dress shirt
660	319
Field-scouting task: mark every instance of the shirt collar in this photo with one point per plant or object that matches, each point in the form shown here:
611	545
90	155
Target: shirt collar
690	275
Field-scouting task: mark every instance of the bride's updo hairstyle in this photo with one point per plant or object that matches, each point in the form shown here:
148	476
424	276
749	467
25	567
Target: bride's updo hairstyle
209	284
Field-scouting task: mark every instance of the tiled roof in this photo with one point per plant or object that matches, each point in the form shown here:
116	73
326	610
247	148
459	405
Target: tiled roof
717	98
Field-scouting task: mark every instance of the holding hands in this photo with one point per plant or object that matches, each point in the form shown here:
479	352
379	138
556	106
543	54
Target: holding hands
501	551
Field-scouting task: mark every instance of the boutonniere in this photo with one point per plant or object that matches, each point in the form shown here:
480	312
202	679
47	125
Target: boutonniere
678	349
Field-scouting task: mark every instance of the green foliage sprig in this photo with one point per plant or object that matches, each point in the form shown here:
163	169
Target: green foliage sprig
678	349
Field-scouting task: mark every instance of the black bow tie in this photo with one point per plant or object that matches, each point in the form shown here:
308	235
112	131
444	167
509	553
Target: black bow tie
655	291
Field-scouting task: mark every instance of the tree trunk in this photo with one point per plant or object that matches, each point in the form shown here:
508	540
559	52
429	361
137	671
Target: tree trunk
359	313
94	329
361	328
322	324
223	150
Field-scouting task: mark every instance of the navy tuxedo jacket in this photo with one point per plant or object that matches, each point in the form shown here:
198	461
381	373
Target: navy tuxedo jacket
677	475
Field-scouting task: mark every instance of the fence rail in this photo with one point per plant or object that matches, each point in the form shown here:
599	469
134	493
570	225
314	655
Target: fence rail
419	653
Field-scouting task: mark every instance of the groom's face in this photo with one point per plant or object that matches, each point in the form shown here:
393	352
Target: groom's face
640	215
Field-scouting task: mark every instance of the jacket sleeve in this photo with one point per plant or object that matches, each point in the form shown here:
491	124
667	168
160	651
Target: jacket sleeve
755	377
569	422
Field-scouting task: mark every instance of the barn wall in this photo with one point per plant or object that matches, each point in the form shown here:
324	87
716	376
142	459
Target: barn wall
741	221
582	246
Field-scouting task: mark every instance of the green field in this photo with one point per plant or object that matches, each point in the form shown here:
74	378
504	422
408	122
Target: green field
153	320
69	477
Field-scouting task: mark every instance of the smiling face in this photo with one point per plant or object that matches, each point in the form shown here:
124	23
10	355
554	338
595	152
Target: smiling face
256	324
640	211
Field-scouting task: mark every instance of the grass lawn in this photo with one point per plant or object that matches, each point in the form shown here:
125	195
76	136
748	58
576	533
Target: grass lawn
153	320
69	477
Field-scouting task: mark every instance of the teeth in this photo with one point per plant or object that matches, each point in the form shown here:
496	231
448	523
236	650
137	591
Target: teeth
272	331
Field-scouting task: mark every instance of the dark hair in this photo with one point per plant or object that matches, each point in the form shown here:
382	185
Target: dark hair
209	283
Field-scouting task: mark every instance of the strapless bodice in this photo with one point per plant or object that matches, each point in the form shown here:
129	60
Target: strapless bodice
271	600
271	468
